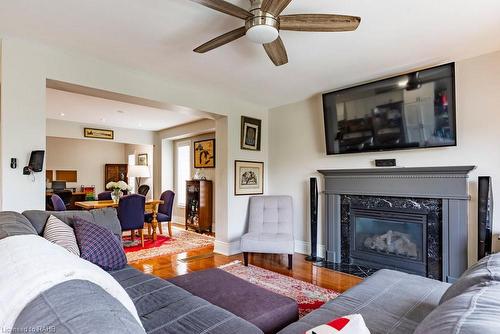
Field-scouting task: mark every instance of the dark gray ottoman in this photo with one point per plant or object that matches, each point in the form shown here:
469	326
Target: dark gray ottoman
263	308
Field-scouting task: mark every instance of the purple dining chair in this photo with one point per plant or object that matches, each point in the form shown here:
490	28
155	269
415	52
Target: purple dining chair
104	196
164	212
58	203
131	214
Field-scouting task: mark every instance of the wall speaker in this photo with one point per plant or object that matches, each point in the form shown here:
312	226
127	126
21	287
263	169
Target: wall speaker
313	203
484	216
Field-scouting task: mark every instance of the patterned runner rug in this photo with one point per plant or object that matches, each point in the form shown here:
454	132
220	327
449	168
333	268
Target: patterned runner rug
182	241
308	296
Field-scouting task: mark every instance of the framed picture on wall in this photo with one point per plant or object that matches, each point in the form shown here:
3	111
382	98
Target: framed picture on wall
204	153
142	159
98	133
249	178
250	133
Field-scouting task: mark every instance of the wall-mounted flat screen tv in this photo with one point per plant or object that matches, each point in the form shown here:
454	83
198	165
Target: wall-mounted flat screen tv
413	110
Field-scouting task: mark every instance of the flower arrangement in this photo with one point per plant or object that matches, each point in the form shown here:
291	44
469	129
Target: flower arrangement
120	185
117	189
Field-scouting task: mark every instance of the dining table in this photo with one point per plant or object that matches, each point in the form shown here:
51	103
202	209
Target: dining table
151	206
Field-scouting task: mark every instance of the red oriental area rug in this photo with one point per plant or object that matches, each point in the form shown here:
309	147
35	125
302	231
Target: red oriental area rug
182	241
308	296
148	243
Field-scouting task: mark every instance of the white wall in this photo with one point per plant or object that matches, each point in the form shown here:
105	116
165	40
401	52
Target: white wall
297	145
22	127
25	67
87	157
65	129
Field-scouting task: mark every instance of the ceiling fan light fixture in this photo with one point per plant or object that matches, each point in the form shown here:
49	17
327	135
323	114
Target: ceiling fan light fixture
262	34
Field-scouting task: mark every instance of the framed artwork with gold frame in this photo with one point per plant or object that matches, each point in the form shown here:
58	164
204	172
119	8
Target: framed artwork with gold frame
204	153
142	159
98	133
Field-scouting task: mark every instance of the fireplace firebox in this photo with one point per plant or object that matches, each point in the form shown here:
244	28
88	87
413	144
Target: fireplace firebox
387	238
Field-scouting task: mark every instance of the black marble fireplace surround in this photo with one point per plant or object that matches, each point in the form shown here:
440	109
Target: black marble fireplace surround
431	209
435	197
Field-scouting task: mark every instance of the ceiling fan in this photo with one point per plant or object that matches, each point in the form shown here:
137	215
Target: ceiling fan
263	22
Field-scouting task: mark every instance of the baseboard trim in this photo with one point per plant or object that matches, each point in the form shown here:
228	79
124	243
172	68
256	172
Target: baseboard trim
232	248
227	248
304	247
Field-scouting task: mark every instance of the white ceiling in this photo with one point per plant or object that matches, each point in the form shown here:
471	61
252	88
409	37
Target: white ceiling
93	110
159	35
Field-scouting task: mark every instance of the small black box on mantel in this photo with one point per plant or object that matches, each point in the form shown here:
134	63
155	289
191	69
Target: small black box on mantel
385	163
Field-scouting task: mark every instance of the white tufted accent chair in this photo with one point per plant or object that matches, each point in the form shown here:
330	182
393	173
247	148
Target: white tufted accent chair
270	227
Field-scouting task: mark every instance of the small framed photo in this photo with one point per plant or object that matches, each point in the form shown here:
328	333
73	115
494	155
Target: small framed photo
142	159
204	153
249	178
250	133
98	133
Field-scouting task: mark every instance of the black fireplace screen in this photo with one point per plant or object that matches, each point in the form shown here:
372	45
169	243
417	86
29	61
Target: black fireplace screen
384	238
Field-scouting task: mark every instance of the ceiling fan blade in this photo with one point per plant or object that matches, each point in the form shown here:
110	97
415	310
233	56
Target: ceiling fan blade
319	22
221	40
277	52
274	7
225	7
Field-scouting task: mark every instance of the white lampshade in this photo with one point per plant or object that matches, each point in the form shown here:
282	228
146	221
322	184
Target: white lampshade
138	171
262	34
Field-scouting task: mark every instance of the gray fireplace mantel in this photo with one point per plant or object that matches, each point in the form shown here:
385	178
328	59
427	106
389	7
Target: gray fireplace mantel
446	183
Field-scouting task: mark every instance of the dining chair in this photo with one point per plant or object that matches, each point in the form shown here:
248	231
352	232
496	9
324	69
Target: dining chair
131	214
143	190
104	196
58	203
164	212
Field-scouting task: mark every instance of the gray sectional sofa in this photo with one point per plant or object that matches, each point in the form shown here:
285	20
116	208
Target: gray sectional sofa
398	303
389	301
82	307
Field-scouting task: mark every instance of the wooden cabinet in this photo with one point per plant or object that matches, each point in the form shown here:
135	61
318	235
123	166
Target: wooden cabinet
199	203
115	173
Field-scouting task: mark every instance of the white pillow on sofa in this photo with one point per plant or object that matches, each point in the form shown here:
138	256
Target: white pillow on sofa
350	324
59	233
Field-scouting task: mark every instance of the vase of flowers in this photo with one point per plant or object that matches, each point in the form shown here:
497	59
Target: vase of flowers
117	189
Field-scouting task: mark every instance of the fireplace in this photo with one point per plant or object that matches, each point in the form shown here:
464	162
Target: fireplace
401	233
409	219
382	238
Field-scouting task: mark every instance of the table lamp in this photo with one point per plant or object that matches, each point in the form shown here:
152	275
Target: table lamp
138	172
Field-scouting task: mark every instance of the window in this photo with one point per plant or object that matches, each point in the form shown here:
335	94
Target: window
183	170
131	180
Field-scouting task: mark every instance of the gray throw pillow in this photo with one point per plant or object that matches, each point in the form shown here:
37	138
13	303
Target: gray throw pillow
474	311
13	223
487	269
59	233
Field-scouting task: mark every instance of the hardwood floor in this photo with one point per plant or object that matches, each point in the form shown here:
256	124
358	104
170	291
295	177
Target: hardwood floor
203	258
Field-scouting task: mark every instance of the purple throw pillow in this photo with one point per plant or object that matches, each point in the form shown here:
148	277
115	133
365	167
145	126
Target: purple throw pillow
99	245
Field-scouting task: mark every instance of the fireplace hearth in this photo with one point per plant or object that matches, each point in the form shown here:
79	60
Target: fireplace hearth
408	219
